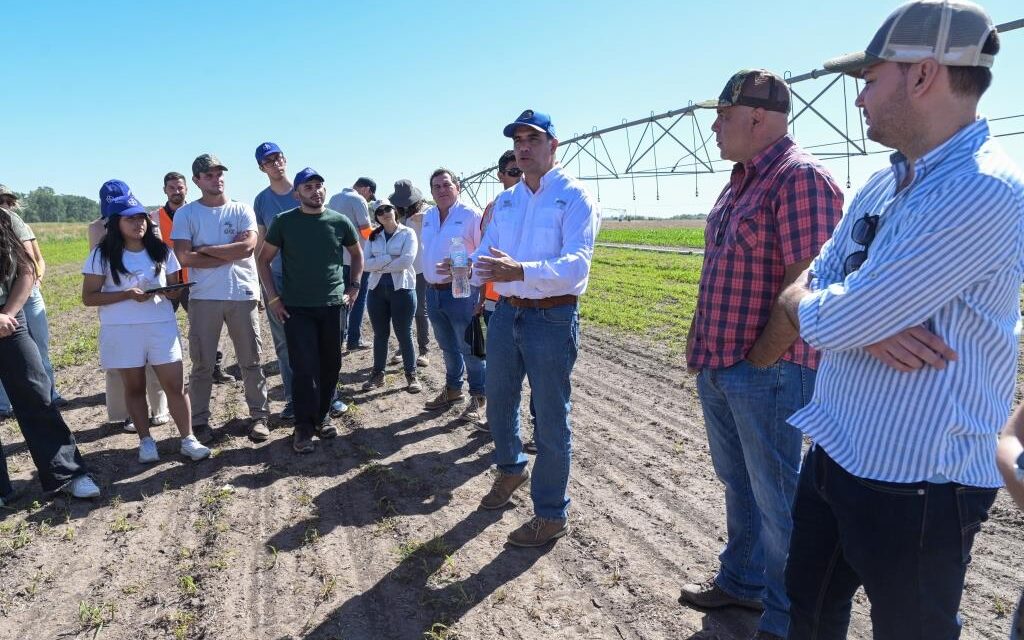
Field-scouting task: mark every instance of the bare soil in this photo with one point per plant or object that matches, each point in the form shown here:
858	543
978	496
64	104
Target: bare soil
261	543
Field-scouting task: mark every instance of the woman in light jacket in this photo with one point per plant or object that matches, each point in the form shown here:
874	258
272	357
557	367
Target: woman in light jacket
391	300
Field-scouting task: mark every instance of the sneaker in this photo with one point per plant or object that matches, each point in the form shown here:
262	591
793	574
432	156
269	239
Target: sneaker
302	443
202	432
376	381
476	412
222	377
159	421
326	431
337	408
708	595
128	426
191	448
147	451
258	430
396	359
531	447
505	484
537	532
422	360
82	487
412	384
445	399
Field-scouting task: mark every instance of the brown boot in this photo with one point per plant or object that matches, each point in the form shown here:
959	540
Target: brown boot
505	484
537	532
445	399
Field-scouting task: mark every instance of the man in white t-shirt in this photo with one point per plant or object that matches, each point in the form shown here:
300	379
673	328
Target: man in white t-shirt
215	237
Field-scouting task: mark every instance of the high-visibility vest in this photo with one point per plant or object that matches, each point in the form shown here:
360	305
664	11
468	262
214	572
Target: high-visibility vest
489	293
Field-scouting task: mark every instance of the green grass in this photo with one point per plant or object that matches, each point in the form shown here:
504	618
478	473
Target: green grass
653	294
667	237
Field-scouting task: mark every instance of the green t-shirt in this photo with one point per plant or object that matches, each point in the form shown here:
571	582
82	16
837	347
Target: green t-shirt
312	248
24	234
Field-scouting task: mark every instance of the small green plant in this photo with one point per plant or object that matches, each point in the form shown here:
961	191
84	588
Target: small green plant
311	536
1000	607
116	501
95	616
130	589
188	586
182	622
434	547
272	550
386	525
440	631
121	524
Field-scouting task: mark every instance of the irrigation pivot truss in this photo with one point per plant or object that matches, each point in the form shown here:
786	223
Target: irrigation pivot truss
631	150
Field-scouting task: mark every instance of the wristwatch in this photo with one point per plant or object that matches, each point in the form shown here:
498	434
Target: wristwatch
353	285
1020	467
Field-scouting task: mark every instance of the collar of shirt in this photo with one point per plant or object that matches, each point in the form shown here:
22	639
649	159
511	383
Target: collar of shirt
743	173
977	132
435	236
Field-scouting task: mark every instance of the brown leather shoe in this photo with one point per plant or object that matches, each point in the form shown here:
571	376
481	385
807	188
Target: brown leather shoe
445	399
258	430
708	595
504	486
475	413
537	532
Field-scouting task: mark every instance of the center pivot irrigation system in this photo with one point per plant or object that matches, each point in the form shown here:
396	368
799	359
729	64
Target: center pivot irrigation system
630	150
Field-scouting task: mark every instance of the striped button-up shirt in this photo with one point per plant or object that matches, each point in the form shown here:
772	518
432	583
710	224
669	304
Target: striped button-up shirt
777	210
948	254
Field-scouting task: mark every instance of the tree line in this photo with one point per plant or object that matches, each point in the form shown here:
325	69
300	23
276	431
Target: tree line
43	205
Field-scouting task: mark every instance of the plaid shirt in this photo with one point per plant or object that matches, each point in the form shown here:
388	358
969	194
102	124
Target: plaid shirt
777	210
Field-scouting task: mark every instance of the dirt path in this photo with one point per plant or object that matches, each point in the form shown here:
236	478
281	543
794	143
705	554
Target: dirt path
377	535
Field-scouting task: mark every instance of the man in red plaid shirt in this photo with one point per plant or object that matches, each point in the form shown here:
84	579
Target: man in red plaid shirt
753	370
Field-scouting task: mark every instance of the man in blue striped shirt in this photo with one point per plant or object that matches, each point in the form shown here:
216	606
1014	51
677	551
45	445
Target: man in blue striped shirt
914	304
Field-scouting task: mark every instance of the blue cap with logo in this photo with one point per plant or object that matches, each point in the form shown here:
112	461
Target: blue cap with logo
112	189
534	119
306	175
121	206
266	149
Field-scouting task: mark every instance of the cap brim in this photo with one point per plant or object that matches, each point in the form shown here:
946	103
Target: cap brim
852	64
510	129
710	104
315	176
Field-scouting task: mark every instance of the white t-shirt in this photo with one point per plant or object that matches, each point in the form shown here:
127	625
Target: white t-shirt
142	274
210	226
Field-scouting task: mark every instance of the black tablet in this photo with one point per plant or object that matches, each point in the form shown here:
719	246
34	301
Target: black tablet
171	287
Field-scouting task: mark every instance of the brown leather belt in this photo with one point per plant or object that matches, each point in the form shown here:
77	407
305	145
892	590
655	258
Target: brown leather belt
540	303
444	286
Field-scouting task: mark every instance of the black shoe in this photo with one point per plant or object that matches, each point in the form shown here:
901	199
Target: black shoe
708	595
531	447
222	377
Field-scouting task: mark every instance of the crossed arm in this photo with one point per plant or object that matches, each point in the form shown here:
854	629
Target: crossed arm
242	246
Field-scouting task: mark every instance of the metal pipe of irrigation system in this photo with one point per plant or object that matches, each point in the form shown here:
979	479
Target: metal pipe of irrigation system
810	75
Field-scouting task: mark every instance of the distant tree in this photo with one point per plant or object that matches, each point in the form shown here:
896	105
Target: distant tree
43	205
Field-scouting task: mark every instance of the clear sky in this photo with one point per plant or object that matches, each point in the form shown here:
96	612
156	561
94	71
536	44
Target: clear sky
98	90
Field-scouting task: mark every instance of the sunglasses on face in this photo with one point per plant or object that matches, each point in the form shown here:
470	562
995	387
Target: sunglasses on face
514	172
863	233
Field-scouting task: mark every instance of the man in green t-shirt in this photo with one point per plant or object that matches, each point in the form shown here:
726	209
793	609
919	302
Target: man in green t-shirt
312	240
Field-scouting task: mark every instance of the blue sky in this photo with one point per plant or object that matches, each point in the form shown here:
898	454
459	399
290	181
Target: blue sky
391	90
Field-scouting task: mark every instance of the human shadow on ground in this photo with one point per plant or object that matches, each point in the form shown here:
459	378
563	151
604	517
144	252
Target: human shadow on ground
728	623
424	590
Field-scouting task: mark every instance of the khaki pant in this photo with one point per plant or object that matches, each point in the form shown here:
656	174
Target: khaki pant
116	409
205	319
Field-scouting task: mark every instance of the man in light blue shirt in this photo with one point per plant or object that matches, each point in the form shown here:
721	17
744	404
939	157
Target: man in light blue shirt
914	304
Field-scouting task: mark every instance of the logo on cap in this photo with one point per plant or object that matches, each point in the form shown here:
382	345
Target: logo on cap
526	114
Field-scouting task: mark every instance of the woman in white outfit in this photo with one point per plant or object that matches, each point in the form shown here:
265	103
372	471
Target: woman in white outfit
139	328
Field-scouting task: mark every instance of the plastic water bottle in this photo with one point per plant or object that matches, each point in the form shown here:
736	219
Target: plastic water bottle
460	272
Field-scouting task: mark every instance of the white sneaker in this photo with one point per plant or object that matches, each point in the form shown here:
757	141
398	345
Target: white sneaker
128	426
422	360
190	447
83	487
160	420
147	451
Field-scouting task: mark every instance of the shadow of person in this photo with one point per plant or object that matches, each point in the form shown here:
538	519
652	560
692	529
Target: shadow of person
413	596
727	623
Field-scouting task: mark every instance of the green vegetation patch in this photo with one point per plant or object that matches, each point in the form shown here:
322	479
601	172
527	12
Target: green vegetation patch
653	294
666	237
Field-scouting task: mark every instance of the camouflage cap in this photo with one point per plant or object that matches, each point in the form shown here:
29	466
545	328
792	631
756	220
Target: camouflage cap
753	88
206	162
6	191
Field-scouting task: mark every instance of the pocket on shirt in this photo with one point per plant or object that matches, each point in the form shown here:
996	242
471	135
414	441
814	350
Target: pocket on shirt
748	230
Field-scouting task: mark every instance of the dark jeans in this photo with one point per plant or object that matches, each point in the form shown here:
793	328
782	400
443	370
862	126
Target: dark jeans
355	315
48	438
389	306
422	322
314	348
908	544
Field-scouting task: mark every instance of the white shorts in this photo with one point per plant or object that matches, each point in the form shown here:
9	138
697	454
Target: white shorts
126	346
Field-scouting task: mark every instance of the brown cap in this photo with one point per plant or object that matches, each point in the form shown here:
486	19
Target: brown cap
753	88
206	162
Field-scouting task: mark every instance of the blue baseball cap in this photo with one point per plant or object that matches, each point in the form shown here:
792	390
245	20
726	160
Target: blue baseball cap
265	150
306	175
112	189
530	118
121	206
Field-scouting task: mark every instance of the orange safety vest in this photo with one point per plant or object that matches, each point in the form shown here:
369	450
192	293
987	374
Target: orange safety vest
489	293
166	223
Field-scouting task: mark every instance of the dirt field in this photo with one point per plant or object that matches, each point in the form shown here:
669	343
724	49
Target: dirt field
377	534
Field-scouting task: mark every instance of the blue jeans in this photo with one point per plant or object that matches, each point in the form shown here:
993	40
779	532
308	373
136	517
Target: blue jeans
281	347
539	344
355	315
389	306
449	317
39	330
756	455
908	544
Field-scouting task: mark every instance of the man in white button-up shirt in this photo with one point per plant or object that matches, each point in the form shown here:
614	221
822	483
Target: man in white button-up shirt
537	250
449	316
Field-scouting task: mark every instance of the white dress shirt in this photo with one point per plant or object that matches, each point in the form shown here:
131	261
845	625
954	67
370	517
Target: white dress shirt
392	255
550	232
435	237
